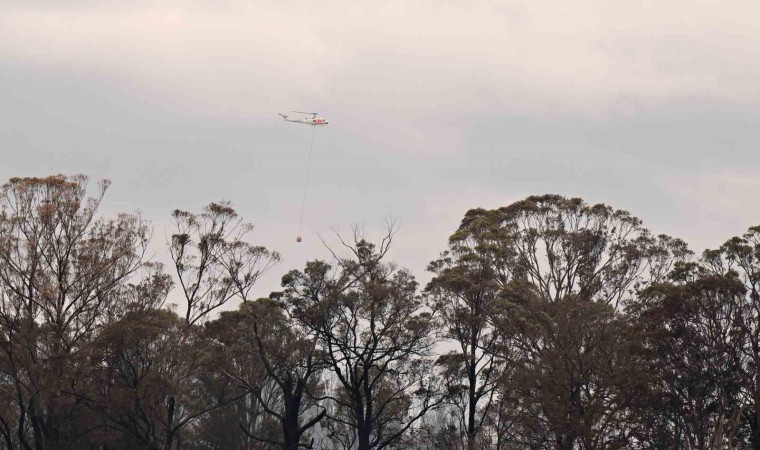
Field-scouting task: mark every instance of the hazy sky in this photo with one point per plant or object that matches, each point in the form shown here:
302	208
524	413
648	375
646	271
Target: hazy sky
434	107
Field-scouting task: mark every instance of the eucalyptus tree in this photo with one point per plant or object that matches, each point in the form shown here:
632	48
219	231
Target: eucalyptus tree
377	334
688	328
65	274
577	376
139	393
280	368
564	246
465	290
703	326
213	260
739	259
551	264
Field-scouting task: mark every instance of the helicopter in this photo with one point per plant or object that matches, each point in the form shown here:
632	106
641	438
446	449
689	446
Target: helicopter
313	120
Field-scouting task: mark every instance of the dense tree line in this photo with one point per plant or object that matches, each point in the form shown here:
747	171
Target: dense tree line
547	324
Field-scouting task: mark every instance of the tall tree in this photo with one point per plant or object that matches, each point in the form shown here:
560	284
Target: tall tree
577	375
259	335
152	378
739	259
465	288
161	374
693	347
213	261
548	250
706	332
65	274
377	334
564	246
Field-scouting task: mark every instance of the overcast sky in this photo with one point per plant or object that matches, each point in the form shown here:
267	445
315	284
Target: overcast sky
434	107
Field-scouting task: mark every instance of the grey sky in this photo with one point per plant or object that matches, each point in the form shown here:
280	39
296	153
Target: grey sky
435	108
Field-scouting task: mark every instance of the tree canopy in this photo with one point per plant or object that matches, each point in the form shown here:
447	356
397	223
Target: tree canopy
549	323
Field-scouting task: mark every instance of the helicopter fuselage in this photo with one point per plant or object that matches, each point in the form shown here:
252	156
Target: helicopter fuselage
307	121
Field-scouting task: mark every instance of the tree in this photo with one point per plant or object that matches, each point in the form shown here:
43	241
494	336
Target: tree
564	247
464	290
258	335
739	259
138	394
552	261
64	275
578	372
377	335
687	326
702	327
573	327
213	261
179	382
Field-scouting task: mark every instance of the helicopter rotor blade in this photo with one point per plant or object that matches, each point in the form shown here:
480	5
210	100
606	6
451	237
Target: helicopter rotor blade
302	112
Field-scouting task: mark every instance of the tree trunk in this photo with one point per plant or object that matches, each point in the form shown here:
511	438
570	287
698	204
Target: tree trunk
290	429
362	429
39	438
471	410
170	434
471	442
472	406
365	429
471	431
565	442
364	441
755	425
363	432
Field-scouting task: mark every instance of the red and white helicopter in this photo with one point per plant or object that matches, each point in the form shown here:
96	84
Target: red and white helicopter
313	120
